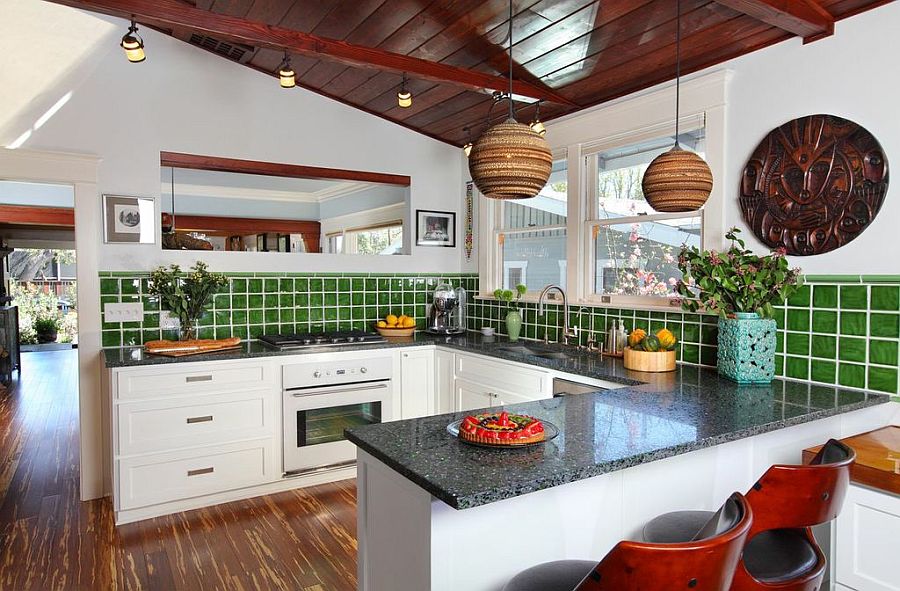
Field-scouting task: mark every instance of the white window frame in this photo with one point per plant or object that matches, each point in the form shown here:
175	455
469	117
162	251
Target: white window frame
643	115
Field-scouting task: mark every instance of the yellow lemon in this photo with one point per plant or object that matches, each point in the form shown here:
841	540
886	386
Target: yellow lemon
409	322
381	324
391	320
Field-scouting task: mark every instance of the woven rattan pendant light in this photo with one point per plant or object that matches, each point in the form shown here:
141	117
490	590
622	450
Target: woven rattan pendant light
510	160
678	180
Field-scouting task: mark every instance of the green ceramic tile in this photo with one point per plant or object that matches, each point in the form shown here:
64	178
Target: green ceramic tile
239	317
270	286
883	379
883	352
853	323
316	300
111	338
824	321
709	334
286	285
239	286
708	355
801	297
796	367
301	315
886	297
343	284
315	284
270	300
852	349
884	325
779	317
691	353
881	278
825	296
854	297
831	278
255	286
256	317
330	285
797	343
239	301
301	285
286	300
822	371
779	365
255	301
130	286
824	346
852	375
330	299
798	319
109	286
270	316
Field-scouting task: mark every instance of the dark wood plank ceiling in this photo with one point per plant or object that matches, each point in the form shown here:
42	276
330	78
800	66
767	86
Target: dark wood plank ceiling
588	51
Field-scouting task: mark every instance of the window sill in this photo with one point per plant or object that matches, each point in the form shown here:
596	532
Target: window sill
593	304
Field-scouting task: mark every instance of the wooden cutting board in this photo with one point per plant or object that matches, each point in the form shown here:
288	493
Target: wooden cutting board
877	458
189	353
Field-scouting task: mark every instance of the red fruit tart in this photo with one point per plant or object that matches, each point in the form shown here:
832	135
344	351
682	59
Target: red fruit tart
501	429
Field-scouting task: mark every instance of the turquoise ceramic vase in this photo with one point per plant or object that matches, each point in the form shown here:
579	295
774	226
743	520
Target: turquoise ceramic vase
747	348
513	325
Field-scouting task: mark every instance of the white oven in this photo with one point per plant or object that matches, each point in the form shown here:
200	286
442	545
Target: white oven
320	400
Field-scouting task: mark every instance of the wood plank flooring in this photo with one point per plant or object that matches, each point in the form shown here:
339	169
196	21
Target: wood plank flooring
304	540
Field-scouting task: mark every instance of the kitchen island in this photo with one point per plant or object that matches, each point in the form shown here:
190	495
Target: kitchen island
437	514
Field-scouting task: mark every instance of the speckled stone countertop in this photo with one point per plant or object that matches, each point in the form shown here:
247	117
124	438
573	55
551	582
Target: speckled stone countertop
689	409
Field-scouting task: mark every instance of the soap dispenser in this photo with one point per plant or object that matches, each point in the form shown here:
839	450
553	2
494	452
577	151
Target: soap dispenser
621	338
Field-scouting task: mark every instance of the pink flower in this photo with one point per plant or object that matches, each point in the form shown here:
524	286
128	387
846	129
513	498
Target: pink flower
714	258
780	252
668	258
672	281
633	237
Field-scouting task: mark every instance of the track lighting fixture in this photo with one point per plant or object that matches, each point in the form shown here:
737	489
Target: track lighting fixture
133	45
404	96
286	75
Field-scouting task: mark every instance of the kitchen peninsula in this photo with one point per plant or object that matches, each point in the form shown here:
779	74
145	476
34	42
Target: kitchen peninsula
437	514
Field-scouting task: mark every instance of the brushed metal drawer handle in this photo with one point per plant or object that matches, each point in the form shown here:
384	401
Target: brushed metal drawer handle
190	379
200	471
193	420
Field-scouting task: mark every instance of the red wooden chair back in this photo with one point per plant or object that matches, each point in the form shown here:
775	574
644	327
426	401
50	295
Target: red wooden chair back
702	565
802	496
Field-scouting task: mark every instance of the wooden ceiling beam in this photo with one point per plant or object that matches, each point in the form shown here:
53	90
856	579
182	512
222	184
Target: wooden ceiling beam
26	215
172	13
804	18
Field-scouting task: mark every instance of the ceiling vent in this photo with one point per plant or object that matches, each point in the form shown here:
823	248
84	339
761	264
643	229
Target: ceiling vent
233	51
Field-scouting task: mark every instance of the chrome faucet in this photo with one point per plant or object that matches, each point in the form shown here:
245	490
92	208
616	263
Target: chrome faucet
568	333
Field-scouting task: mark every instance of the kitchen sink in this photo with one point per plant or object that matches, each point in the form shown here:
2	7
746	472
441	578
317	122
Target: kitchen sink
523	350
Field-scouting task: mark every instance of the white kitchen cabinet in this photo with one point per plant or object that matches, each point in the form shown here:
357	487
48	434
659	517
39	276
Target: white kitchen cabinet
417	391
470	396
529	382
867	533
443	381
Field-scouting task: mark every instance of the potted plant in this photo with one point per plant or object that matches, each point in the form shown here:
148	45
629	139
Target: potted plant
742	288
513	317
650	352
185	295
46	326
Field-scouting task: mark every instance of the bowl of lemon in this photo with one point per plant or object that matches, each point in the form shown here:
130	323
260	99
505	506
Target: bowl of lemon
396	326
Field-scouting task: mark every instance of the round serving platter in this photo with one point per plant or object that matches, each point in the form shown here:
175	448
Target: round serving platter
550	433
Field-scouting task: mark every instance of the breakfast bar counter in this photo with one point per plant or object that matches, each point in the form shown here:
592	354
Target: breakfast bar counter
436	513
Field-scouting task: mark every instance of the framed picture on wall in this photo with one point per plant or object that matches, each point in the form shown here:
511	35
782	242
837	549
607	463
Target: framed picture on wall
435	228
128	219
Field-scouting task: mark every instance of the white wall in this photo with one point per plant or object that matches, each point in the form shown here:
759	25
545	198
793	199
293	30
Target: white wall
183	99
852	74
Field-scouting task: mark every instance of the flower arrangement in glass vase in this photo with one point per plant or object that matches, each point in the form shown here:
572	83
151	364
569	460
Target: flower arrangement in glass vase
743	289
185	294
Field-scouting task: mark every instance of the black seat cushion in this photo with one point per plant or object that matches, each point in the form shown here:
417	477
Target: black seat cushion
561	575
779	555
676	527
831	453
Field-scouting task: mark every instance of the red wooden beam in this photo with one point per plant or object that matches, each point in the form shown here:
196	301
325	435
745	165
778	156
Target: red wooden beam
196	162
804	18
37	216
172	13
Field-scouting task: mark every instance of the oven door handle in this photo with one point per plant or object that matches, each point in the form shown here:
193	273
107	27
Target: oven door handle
338	389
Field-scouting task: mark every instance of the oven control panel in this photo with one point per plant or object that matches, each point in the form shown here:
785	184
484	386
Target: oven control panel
303	375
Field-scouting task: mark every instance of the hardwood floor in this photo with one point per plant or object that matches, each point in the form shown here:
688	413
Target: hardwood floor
302	540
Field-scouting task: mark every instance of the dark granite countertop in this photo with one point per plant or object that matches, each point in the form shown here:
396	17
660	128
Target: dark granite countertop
681	411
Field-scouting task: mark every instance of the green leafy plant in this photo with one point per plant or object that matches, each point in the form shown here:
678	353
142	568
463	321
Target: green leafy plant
511	298
46	324
185	294
736	280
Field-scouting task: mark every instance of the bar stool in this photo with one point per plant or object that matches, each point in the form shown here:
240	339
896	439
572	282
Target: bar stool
704	563
781	552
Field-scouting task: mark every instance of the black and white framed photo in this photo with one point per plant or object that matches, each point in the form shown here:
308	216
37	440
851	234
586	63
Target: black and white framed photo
128	219
435	228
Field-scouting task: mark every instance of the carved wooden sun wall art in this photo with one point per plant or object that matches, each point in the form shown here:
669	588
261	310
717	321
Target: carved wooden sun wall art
814	184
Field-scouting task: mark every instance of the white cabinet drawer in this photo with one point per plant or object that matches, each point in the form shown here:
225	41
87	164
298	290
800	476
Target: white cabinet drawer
171	423
531	383
867	531
159	478
189	378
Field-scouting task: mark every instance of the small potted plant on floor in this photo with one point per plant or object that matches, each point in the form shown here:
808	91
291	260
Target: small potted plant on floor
650	352
743	289
513	317
185	294
46	326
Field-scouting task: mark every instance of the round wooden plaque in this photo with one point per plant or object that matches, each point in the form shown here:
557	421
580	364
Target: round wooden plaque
814	184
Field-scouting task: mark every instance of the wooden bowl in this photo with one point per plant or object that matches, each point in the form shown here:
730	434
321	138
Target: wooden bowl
650	361
396	332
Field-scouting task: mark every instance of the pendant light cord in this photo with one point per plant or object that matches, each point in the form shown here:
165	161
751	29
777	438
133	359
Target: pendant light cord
511	114
677	69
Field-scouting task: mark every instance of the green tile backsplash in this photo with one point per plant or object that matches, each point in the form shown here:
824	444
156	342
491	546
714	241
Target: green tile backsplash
836	330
